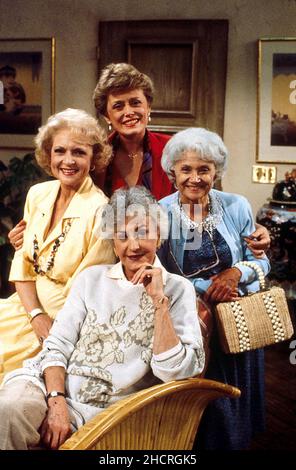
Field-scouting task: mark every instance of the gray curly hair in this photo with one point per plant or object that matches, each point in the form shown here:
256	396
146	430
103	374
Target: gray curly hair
136	202
207	144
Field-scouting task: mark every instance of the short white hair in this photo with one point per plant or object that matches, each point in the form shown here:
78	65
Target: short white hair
207	144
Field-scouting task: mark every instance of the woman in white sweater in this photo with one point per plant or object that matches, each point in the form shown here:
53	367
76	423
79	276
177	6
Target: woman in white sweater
123	328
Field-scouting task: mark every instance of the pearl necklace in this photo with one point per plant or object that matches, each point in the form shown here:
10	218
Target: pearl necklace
209	223
50	263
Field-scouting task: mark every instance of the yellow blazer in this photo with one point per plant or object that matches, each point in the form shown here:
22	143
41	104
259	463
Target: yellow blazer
81	248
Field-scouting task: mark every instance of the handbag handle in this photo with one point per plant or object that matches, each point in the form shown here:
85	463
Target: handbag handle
258	270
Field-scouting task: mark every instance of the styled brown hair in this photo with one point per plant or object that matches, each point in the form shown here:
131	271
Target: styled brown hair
116	78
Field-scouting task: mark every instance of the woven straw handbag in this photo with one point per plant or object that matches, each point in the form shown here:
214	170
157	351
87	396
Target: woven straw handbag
256	320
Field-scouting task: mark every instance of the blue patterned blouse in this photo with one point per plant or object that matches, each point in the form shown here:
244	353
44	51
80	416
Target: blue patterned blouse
211	258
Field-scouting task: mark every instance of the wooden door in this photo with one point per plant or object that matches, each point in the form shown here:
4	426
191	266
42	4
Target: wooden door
186	60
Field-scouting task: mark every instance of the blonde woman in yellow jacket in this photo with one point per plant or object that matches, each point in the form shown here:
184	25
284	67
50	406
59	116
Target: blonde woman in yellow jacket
60	238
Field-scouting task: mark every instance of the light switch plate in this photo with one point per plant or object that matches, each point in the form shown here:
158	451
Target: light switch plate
264	174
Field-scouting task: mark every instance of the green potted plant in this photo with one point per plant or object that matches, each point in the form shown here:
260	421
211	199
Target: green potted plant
15	181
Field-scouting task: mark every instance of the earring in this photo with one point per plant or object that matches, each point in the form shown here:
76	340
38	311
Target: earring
109	127
149	118
92	168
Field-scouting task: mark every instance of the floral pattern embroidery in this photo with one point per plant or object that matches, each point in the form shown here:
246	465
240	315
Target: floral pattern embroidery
95	392
100	345
140	330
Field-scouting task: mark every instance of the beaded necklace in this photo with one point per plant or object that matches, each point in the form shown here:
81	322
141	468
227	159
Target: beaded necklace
50	263
210	222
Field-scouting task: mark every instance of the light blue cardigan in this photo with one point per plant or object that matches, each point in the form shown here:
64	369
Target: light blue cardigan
237	222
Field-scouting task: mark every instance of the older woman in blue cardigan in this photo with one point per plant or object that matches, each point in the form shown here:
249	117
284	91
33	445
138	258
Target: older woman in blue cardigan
207	245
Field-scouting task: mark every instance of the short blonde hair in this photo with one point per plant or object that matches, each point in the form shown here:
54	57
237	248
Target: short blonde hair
79	123
121	77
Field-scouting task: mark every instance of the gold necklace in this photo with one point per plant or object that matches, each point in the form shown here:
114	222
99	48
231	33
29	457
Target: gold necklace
133	155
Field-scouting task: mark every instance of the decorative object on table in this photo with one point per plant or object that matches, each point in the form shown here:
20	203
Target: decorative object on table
254	321
279	217
284	193
276	100
27	73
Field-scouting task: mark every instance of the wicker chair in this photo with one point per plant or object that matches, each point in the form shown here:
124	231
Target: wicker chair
165	416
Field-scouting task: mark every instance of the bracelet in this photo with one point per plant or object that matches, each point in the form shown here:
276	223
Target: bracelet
54	393
161	300
36	311
256	268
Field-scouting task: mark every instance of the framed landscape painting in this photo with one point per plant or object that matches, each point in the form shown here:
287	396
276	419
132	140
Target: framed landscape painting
276	102
27	89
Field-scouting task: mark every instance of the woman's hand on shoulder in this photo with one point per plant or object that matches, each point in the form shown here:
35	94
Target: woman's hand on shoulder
224	287
151	278
16	235
258	241
41	325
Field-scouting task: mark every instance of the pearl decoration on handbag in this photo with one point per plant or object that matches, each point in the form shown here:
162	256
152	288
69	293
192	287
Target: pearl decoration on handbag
241	325
271	309
256	268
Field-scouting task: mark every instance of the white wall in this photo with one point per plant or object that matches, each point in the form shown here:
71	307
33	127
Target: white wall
74	23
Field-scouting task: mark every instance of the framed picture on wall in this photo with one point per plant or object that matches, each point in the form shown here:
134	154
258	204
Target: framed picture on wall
27	89
276	100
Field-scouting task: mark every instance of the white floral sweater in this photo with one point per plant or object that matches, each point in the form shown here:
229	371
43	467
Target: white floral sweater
103	338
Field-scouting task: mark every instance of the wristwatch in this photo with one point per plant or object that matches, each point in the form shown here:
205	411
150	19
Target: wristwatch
34	313
54	393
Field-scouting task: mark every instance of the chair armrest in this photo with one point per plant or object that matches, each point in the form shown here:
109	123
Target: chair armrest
105	421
